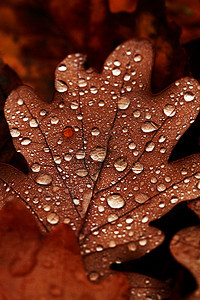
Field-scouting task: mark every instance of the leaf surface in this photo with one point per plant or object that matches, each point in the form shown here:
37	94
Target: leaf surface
46	267
98	154
185	247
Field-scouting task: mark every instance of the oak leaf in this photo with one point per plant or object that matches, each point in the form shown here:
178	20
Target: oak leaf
98	154
185	247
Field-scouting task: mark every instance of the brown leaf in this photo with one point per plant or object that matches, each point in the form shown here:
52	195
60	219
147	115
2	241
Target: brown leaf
46	267
185	247
98	154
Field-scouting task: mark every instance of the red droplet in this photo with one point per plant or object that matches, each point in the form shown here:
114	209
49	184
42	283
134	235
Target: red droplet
68	132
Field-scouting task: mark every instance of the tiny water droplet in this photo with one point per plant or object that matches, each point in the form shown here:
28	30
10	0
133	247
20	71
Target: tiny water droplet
120	164
43	112
115	201
93	90
161	139
123	102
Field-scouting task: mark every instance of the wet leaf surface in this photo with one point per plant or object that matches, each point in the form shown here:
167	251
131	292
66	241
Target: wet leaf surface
46	266
185	247
98	154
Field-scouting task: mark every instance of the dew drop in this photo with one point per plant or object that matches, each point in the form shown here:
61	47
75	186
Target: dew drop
142	242
123	102
136	113
150	146
43	112
61	86
53	218
189	96
127	77
25	142
81	172
35	167
74	105
169	110
33	123
98	154
161	139
57	159
198	185
112	218
149	126
132	246
101	103
54	120
68	132
132	145
137	168
62	68
120	164
115	201
116	71
15	132
44	179
93	90
174	199
95	131
145	219
141	198
20	102
93	276
80	154
67	157
137	58
161	187
82	83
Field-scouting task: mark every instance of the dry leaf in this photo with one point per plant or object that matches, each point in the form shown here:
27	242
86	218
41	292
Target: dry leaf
98	155
46	267
185	247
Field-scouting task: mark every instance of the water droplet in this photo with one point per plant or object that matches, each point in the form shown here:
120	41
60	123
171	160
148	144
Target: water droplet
43	112
116	71
174	199
132	145
62	68
154	180
81	172
189	96
80	154
141	198
127	77
137	168
67	157
74	105
132	246
112	218
145	219
162	138
161	187
15	132
101	103
68	132
198	185
115	201
82	83
129	220
44	179
33	123
136	113
150	146
93	90
137	58
169	110
120	164
61	86
112	244
93	276
95	131
98	154
20	102
149	126
57	159
25	142
53	218
35	167
142	242
123	102
54	120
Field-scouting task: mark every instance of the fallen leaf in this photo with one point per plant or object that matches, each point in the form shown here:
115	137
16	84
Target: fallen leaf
46	267
98	154
185	247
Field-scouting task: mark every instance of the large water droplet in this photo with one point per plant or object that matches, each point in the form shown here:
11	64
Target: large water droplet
44	179
123	102
112	218
35	167
150	146
67	157
33	123
137	168
74	105
15	132
98	154
115	201
80	154
169	110
149	126
25	142
132	145
116	71
61	86
141	198
137	58
82	83
95	131
20	101
120	164
54	120
62	68
53	218
189	96
68	132
81	172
